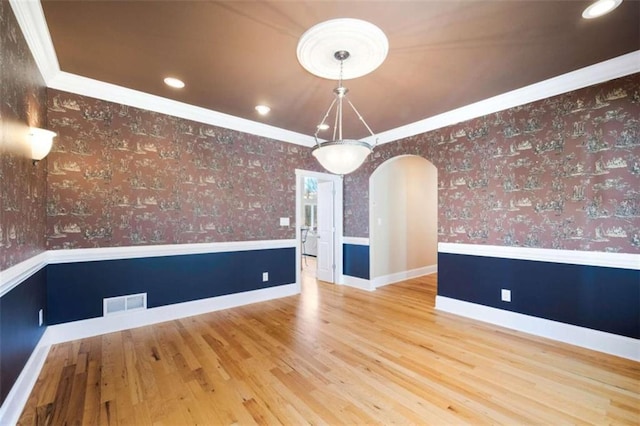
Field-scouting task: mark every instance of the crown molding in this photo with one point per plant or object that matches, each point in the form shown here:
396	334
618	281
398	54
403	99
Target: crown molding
604	71
84	86
32	22
30	17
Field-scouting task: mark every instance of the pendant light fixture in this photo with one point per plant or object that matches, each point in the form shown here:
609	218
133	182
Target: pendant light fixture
341	156
323	50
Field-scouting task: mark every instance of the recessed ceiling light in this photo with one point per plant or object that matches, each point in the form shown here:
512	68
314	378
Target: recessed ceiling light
263	109
323	126
599	8
174	82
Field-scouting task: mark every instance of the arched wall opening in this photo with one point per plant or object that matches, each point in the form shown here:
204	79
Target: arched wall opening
403	219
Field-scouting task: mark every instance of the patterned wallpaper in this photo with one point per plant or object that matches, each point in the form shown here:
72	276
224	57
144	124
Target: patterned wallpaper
560	173
121	176
22	186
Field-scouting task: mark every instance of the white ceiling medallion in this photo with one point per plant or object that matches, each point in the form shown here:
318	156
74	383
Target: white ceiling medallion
366	43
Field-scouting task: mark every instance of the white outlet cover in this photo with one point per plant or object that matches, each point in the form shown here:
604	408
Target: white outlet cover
265	276
284	221
40	317
505	295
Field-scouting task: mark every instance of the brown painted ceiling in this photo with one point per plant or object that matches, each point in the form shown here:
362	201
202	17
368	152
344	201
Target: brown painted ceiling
233	55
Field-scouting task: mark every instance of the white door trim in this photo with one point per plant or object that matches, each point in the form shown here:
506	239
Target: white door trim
337	220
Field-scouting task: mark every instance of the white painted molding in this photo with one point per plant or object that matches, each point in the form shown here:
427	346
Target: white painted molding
356	241
604	71
19	394
356	282
34	27
96	326
133	252
13	276
32	22
30	17
405	275
600	341
588	258
110	92
17	397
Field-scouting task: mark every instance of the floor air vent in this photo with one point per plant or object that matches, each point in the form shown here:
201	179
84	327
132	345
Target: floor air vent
127	303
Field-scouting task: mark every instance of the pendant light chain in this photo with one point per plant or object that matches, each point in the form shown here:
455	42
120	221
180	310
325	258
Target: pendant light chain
341	93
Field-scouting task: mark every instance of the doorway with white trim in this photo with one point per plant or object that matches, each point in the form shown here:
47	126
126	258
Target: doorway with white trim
319	225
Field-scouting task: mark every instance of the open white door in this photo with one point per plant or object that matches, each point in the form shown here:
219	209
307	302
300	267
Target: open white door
326	232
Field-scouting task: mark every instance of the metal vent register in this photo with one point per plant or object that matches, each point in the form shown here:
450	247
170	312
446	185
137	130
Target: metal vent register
126	303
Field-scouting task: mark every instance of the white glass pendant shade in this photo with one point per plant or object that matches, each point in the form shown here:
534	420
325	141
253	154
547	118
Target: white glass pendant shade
41	141
342	157
320	49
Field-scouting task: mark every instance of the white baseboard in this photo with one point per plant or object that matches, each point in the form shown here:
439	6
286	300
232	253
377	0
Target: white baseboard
600	341
356	282
17	398
405	275
102	325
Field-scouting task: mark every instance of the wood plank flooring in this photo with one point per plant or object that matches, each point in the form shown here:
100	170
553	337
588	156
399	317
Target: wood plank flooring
333	355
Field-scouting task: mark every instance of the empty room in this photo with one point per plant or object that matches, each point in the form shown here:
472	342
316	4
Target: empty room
319	212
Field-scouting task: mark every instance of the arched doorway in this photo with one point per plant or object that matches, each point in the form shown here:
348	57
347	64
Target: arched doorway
403	219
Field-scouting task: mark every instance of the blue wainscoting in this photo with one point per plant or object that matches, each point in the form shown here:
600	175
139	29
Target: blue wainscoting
599	298
19	329
76	290
355	260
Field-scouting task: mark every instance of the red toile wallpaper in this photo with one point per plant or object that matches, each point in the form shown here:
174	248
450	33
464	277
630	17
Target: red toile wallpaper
22	186
121	176
560	173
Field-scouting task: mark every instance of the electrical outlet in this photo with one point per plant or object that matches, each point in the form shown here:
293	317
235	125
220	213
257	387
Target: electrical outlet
505	295
284	221
265	276
40	317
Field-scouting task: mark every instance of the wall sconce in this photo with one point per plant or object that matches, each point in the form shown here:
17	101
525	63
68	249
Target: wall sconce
41	141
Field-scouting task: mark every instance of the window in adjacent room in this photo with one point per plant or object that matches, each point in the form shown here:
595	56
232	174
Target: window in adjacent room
310	202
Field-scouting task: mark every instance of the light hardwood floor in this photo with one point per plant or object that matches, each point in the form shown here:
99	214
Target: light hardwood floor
333	355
